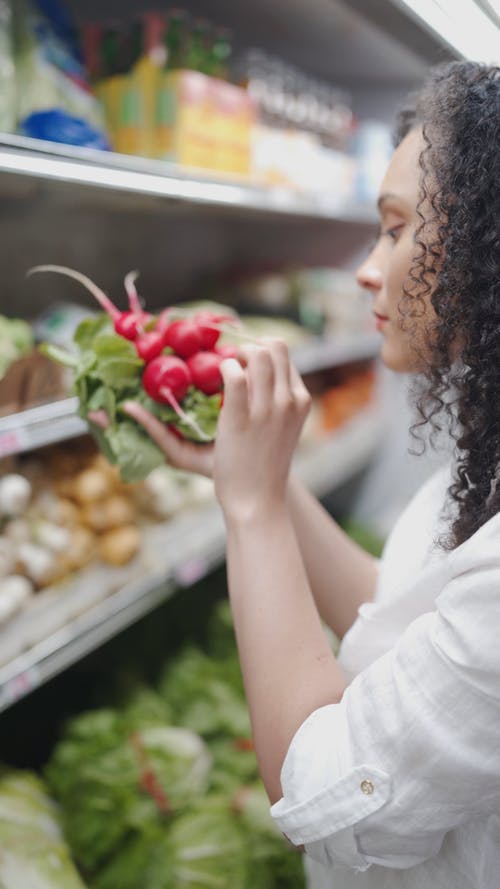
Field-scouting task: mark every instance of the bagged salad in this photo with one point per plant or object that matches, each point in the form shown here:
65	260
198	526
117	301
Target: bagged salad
169	363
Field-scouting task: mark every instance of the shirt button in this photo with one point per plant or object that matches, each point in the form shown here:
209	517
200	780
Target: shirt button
367	787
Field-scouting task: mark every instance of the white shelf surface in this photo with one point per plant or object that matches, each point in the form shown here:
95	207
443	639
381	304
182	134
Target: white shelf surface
88	168
66	622
59	421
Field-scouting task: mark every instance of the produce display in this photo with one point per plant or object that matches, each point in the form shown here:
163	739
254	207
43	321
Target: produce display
163	792
16	340
169	363
339	403
68	508
33	852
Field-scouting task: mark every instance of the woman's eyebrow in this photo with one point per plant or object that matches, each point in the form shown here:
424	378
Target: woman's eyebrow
389	197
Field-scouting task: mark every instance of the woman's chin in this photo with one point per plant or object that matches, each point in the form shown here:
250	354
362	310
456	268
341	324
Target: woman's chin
400	360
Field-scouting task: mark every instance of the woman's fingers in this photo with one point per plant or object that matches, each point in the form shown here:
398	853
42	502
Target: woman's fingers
166	440
260	369
235	390
100	418
278	350
279	380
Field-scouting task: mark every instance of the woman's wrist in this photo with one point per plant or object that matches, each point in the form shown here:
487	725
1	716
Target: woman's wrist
248	513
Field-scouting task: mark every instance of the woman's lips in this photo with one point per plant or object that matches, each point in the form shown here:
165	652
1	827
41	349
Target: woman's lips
380	320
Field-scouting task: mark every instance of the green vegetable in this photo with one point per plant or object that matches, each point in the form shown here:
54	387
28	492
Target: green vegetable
200	697
114	773
234	764
272	857
218	833
204	848
32	851
16	340
364	536
207	847
126	445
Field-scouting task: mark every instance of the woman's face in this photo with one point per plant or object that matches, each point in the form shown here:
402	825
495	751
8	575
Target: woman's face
385	270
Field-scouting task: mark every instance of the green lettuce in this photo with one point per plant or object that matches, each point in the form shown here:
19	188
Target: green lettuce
16	340
207	847
203	848
200	697
114	773
274	861
32	851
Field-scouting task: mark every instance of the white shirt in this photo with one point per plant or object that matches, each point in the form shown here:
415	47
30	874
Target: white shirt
398	785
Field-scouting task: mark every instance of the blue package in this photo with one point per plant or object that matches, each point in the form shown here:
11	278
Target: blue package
56	125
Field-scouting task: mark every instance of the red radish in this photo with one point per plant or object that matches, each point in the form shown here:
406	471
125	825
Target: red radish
211	326
130	325
225	350
209	329
166	372
183	337
127	324
166	379
204	367
150	345
164	319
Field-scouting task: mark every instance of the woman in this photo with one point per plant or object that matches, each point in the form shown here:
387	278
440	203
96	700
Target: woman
384	763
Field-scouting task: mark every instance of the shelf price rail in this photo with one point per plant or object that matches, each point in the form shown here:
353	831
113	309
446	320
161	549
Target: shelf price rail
38	161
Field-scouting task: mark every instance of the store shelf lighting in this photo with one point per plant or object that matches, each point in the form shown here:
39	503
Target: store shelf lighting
470	28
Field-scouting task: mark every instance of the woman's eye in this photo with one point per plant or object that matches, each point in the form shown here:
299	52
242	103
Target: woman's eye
393	232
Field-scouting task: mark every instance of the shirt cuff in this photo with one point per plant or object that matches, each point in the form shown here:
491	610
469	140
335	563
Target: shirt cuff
324	794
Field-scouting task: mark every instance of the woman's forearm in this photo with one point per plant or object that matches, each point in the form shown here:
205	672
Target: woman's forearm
288	667
322	543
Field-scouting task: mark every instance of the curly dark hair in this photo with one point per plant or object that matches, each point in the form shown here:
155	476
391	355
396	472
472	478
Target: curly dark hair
457	268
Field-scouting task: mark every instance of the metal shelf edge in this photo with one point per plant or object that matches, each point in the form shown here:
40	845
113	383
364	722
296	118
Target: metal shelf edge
126	173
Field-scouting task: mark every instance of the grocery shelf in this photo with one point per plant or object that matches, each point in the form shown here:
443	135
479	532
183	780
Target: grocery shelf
87	168
39	426
59	421
66	622
325	352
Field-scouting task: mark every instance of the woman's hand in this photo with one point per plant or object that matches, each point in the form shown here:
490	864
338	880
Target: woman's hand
180	453
265	406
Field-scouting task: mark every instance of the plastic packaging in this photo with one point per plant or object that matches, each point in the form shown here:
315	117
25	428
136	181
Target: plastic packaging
51	78
7	70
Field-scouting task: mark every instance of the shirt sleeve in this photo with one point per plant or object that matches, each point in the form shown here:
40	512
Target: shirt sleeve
411	751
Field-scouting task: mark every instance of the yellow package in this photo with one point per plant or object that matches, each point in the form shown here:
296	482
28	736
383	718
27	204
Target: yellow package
185	119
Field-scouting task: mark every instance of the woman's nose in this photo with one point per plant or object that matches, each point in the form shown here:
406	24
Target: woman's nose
369	275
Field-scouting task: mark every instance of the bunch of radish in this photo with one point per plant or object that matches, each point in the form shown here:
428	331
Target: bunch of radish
178	352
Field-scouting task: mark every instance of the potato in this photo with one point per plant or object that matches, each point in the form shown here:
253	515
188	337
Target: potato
107	514
119	546
80	550
66	513
90	485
